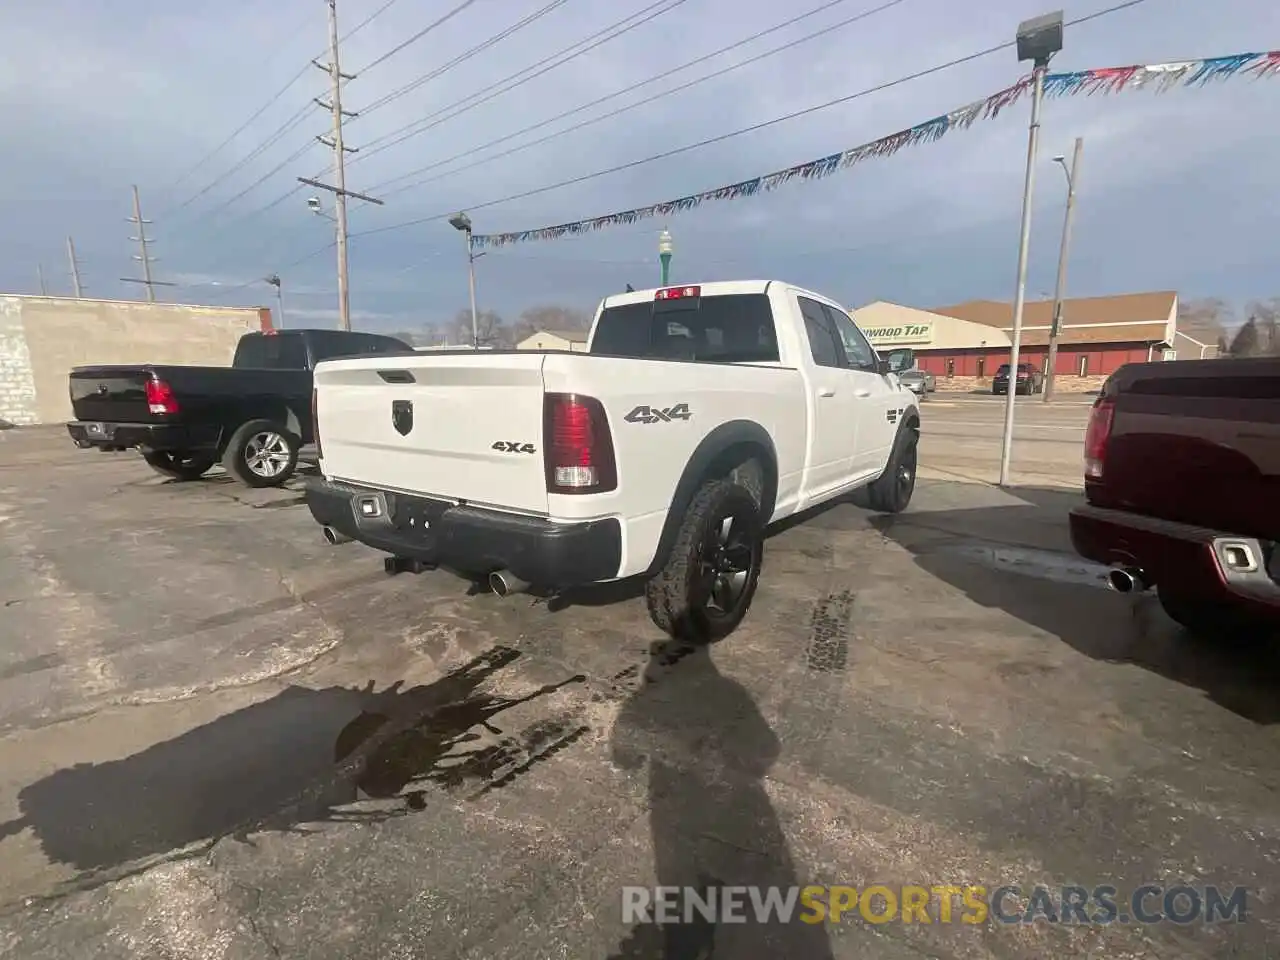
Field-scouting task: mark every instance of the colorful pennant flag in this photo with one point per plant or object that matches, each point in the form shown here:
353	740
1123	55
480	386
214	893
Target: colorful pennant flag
1158	76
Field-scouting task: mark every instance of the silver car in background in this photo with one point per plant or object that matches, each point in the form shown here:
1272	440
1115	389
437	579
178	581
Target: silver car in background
919	382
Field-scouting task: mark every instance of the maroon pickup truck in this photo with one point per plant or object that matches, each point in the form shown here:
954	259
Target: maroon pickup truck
1182	482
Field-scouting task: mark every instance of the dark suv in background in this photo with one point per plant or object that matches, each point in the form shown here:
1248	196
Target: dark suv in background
1030	380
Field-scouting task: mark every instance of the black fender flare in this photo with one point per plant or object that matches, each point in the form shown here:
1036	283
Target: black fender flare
713	453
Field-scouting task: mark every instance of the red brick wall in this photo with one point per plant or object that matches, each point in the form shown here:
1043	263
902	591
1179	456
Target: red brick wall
1101	359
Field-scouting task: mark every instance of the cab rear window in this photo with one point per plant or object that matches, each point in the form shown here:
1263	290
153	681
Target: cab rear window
731	328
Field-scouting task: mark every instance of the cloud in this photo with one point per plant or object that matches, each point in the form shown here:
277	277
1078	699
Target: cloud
98	102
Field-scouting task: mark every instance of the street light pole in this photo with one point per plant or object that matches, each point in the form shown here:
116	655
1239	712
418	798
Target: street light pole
1055	330
274	280
1038	39
665	249
462	223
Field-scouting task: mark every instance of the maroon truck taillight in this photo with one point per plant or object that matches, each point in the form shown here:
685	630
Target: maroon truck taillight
160	398
577	445
315	421
1097	435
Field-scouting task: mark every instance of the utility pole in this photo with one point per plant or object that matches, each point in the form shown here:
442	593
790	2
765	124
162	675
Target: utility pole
1038	39
1055	329
141	240
334	141
75	268
44	292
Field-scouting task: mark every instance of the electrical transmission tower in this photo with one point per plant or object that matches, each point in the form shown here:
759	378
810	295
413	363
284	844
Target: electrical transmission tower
144	257
334	141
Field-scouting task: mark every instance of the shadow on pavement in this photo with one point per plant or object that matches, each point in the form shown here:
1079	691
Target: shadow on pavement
705	749
299	757
1062	595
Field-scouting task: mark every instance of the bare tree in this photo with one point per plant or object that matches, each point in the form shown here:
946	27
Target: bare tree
1265	315
422	337
1246	342
490	329
550	318
1208	320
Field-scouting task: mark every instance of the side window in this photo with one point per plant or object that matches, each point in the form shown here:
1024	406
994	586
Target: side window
824	344
856	347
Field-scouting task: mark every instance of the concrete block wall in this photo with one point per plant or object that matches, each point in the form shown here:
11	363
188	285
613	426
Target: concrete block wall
42	338
17	386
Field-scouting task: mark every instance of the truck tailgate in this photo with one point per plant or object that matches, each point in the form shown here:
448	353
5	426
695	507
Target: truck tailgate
1198	442
455	426
116	394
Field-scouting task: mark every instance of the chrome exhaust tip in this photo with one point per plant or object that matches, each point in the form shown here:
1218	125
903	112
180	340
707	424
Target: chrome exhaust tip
1126	580
333	537
504	584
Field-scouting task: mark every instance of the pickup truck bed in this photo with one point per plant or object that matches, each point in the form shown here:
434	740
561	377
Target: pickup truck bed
1183	487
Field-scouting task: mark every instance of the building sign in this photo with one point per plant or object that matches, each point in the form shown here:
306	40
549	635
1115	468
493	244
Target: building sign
901	333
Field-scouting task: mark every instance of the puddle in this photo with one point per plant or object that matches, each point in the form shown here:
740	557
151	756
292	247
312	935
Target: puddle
1042	564
303	756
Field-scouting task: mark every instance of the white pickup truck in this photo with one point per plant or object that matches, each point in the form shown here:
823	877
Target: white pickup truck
697	416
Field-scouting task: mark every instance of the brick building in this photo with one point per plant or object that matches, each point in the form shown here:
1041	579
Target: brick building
969	341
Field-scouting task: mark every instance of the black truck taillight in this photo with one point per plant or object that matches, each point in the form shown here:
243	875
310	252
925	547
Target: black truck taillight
1097	435
315	421
577	445
161	398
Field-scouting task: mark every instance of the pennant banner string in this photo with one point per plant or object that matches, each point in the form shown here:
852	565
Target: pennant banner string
1160	77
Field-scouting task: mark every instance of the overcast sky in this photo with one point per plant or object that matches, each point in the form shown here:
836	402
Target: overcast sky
1176	192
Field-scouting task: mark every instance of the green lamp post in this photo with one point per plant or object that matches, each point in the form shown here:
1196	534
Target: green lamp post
664	255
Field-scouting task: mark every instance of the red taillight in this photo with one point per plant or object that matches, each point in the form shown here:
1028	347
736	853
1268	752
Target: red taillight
678	293
315	421
577	445
1097	435
160	398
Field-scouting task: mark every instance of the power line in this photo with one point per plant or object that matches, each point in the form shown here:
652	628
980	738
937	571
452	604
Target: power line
259	112
520	77
419	35
636	86
676	151
262	179
289	125
465	55
297	118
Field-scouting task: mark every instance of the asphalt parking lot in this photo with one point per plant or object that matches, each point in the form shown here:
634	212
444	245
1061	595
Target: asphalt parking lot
222	738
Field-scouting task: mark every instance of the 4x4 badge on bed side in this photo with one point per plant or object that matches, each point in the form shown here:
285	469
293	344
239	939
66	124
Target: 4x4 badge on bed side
658	414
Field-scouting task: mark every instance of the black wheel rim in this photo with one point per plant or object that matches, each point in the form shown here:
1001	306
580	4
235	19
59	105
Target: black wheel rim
905	479
729	556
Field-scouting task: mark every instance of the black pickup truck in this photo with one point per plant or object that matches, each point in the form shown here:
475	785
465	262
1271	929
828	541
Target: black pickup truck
253	416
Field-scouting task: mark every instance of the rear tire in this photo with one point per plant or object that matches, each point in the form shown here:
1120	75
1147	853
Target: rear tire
261	454
177	465
706	587
891	492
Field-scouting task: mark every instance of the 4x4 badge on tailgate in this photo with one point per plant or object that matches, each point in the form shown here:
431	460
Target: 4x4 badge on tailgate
512	446
402	416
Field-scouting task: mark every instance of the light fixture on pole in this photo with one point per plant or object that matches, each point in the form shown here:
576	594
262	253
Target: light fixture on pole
274	280
462	223
1038	40
665	249
1055	329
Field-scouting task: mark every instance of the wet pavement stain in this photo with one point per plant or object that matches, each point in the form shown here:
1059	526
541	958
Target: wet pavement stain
828	650
296	758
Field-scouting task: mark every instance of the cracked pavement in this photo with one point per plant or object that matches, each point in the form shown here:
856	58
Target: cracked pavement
221	738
